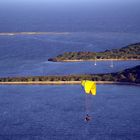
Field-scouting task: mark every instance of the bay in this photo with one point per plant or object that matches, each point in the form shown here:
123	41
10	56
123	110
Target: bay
57	112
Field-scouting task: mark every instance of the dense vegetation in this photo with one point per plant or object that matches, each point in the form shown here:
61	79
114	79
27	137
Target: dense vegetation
128	52
128	75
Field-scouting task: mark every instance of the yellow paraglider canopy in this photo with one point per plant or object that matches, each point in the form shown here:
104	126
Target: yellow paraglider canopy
89	86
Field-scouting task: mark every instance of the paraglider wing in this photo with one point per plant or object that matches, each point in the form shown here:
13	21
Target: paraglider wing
83	83
93	89
89	86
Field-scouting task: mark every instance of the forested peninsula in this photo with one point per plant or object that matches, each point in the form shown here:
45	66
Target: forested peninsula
130	52
131	75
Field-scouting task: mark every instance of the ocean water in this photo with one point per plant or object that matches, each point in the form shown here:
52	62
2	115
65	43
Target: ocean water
84	26
24	55
57	112
28	68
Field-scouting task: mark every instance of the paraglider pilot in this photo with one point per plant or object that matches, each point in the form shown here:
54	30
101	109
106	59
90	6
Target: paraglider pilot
87	118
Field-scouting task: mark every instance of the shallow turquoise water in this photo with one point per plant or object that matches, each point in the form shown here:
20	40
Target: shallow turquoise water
57	112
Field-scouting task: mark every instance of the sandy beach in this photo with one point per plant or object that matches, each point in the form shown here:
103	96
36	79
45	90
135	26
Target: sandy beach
63	83
31	33
99	60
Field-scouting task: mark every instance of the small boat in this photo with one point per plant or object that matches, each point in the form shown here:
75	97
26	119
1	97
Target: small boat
111	65
95	62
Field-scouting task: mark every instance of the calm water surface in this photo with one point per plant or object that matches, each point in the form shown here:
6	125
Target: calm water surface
25	55
57	112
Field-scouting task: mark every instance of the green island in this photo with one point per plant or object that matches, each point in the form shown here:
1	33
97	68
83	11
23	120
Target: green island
130	52
131	75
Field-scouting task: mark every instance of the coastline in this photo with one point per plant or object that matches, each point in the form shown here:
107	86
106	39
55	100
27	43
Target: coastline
31	33
93	60
65	83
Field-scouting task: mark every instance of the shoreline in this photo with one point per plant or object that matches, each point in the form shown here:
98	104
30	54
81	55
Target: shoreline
92	60
31	33
65	83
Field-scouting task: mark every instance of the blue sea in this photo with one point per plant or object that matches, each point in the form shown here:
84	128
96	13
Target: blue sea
57	112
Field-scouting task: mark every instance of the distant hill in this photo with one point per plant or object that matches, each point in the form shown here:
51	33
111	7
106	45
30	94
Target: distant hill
129	52
131	75
128	75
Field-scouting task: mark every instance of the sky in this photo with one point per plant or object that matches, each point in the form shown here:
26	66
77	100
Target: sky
70	5
69	1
